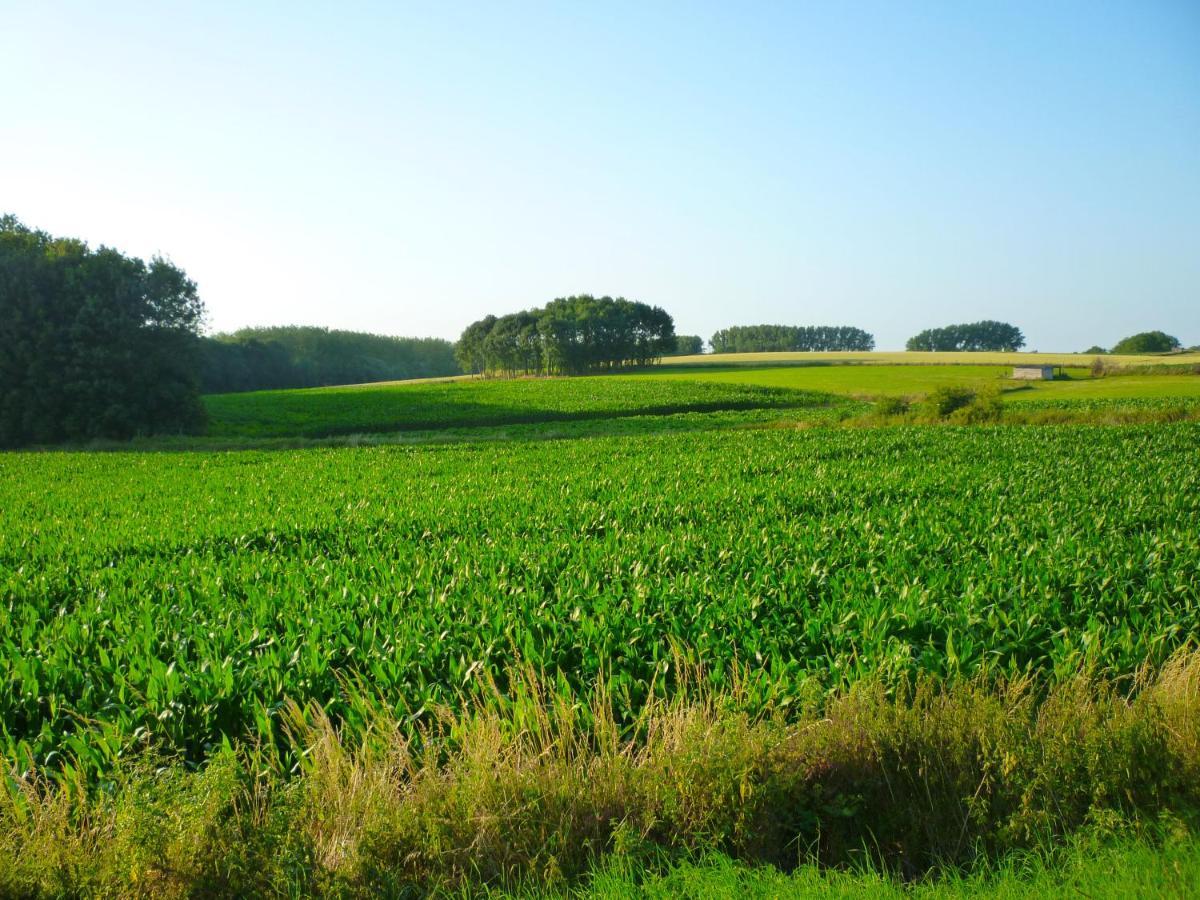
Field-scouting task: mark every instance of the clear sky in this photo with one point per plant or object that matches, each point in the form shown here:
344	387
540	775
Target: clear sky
407	168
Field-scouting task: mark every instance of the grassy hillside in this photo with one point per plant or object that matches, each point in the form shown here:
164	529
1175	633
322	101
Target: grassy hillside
399	407
877	380
435	407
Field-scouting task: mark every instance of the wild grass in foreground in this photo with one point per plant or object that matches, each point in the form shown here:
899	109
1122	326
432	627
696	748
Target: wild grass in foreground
1102	865
535	787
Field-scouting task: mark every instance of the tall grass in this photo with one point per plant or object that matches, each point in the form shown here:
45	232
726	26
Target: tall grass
532	785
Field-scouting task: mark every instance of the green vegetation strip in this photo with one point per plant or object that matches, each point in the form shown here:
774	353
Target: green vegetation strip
184	598
371	409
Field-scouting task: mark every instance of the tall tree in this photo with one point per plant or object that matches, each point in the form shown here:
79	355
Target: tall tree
791	338
975	336
93	343
687	345
303	356
568	336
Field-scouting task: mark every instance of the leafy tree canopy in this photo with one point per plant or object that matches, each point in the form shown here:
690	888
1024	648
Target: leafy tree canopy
793	338
568	336
93	343
985	335
1147	342
294	356
687	345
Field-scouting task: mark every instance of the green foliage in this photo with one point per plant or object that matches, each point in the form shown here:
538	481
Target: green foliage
946	399
891	406
1146	342
568	336
255	359
687	345
1095	350
532	785
985	407
181	598
977	336
462	404
795	338
92	343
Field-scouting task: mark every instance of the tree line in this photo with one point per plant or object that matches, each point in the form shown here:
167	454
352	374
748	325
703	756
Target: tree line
985	335
567	336
687	345
293	356
794	338
97	344
93	343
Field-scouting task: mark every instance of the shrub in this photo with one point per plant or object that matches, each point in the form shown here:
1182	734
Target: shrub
891	406
986	407
944	400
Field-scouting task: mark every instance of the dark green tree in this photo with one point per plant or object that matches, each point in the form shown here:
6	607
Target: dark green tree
293	356
93	343
976	336
568	336
791	338
687	345
1147	342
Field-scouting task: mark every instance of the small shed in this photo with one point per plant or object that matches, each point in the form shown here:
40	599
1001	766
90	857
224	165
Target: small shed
1033	373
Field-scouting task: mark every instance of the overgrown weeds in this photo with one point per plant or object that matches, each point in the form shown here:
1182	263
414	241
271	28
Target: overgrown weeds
537	786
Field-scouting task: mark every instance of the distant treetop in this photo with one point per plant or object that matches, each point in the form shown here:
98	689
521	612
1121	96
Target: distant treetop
791	338
1147	342
568	336
976	336
294	356
687	345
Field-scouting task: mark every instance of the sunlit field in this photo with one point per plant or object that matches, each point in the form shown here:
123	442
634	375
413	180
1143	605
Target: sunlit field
887	357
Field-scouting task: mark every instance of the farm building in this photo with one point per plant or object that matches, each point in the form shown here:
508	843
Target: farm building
1034	373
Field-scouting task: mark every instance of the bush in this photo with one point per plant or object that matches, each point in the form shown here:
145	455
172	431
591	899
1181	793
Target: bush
1095	350
891	406
944	400
986	407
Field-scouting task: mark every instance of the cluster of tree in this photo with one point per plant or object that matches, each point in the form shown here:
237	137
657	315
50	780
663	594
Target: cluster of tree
985	335
568	336
800	338
294	356
93	343
1147	342
687	345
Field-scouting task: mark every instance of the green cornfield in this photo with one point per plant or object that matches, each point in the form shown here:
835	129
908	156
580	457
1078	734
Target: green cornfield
178	600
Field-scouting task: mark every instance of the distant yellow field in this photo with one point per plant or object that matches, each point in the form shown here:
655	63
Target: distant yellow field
893	358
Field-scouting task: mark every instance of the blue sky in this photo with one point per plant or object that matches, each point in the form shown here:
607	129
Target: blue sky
406	169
